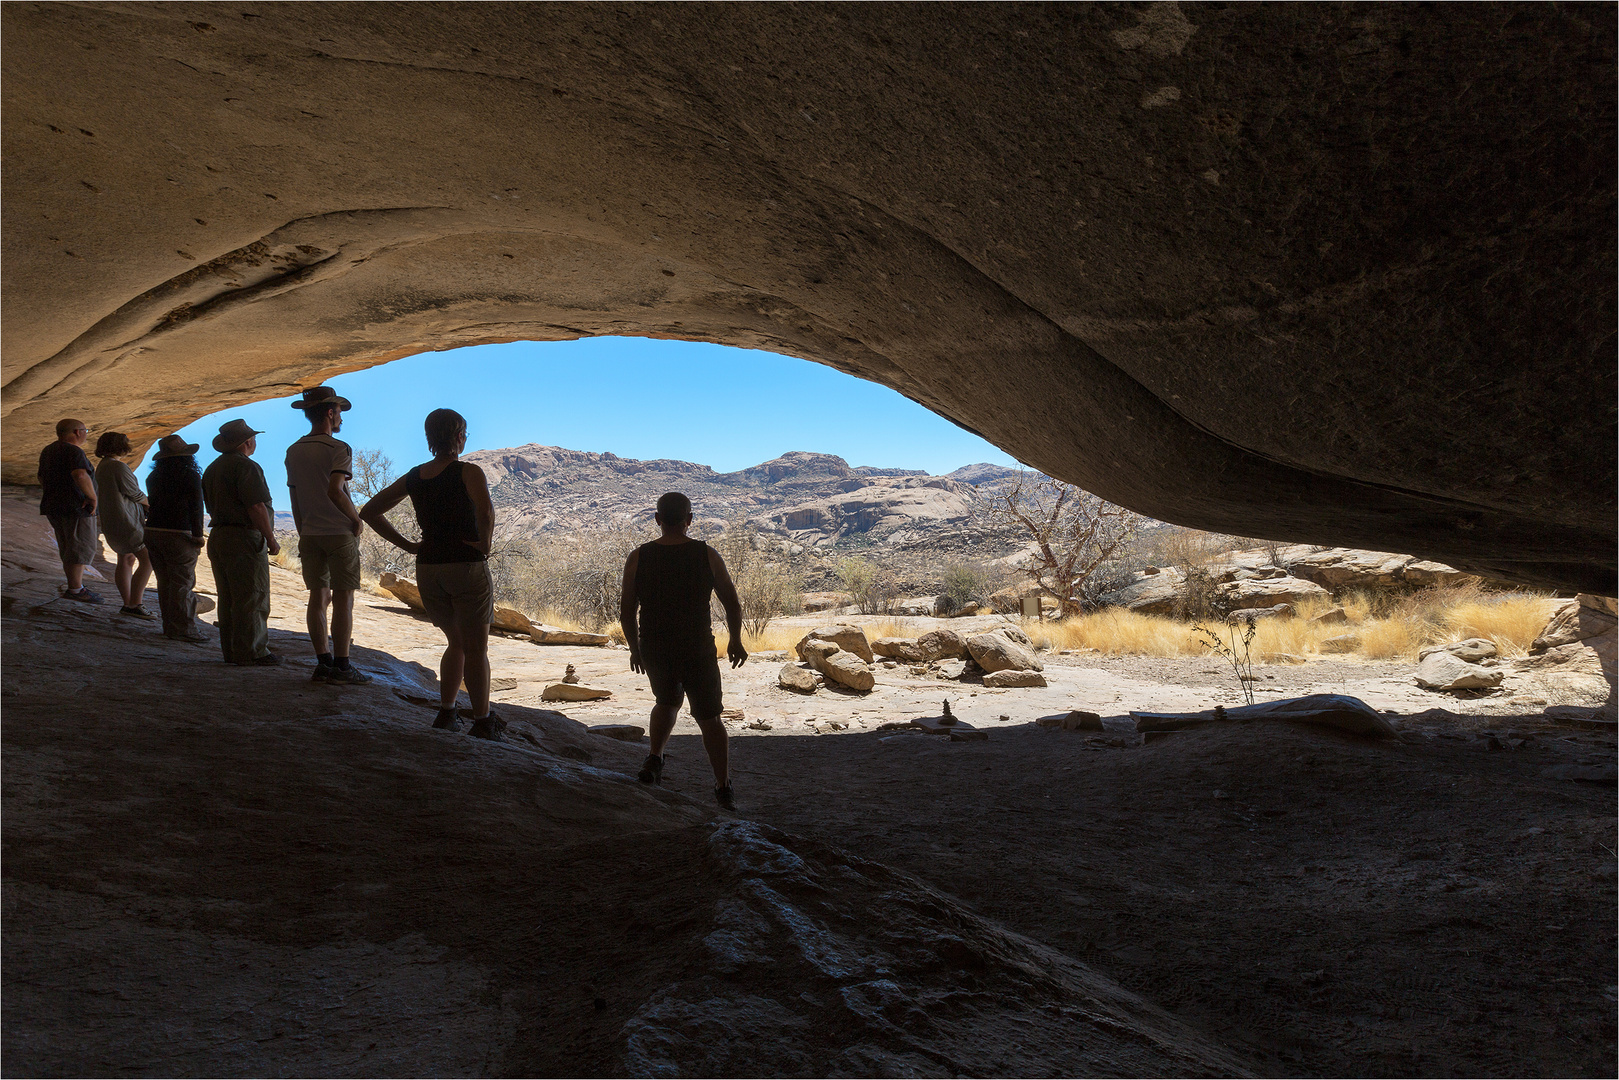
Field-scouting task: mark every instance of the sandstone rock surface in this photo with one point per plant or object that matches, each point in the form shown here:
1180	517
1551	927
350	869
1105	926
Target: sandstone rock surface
904	649
941	645
541	634
1278	611
847	669
562	691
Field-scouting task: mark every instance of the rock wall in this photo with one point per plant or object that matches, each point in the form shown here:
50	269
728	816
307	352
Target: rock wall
1334	274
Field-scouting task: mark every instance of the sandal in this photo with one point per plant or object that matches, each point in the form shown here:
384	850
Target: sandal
651	770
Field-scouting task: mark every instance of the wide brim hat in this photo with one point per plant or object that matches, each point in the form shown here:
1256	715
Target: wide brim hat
319	396
173	446
233	434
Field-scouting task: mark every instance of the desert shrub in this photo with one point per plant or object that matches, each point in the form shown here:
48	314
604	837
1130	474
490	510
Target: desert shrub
871	585
1199	596
766	586
1076	535
577	578
965	583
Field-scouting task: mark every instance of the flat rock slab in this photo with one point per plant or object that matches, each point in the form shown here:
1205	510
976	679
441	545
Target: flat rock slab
1338	711
1074	720
621	732
553	635
574	692
958	730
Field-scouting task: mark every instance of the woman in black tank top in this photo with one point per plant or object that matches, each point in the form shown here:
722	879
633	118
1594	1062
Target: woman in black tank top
452	573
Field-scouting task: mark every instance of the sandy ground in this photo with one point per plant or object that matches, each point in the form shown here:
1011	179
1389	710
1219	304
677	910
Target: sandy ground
212	870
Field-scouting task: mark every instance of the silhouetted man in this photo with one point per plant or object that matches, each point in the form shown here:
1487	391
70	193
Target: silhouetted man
669	580
319	468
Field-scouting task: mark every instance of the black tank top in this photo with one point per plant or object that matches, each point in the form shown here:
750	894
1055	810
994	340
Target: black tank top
444	512
672	583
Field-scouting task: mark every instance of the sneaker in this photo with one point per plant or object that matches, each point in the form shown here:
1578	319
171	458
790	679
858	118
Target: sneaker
136	612
651	770
725	797
447	720
323	673
349	676
489	727
83	595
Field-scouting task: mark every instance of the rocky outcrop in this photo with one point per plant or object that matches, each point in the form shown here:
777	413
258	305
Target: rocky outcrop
1268	592
1343	569
835	663
783	195
1455	666
941	645
1242	615
899	649
1577	651
1008	678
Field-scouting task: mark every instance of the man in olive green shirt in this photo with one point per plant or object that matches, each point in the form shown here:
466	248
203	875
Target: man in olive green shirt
240	543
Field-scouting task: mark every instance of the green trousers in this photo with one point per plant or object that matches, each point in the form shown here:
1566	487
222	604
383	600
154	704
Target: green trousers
241	562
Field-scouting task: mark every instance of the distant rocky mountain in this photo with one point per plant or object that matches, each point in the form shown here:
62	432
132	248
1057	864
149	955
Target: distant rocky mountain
815	501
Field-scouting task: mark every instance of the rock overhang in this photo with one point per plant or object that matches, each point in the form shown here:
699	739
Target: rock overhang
1336	275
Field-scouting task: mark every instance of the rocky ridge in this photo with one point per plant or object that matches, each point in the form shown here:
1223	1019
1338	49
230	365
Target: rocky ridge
806	500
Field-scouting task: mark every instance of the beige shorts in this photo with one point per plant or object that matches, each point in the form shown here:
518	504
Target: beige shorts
457	592
330	562
78	538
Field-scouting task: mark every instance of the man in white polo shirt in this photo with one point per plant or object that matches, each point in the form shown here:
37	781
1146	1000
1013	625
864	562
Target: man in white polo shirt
319	468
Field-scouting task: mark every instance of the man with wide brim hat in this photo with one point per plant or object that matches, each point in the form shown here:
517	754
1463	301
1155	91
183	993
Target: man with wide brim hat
240	544
174	536
319	468
321	397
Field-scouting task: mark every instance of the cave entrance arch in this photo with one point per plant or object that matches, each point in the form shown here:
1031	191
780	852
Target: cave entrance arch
1334	276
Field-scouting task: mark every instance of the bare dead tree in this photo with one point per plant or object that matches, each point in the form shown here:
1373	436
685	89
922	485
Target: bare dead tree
1077	536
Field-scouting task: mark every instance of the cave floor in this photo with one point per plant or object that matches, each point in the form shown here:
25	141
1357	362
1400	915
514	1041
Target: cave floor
228	871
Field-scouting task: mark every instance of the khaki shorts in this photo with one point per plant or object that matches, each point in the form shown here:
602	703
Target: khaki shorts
77	537
330	562
457	592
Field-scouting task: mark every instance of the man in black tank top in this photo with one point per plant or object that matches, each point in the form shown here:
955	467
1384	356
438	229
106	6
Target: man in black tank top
664	613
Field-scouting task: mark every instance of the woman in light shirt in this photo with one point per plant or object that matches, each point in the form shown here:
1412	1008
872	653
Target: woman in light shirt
122	506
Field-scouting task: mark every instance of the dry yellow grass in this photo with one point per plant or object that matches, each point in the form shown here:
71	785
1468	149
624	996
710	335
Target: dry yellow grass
1387	629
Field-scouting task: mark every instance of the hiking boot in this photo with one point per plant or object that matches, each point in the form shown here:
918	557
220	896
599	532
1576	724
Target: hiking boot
447	720
489	727
82	595
136	612
651	770
323	673
725	797
349	676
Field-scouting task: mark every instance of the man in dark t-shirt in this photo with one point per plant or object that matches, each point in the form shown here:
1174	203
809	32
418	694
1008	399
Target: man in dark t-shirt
669	581
69	503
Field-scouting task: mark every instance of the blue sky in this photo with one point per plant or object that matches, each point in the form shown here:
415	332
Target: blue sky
636	397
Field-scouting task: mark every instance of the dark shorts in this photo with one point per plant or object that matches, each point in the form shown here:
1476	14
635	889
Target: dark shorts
77	538
695	677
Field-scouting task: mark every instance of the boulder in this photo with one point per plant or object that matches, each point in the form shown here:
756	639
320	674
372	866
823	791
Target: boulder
574	692
1157	593
511	622
1331	617
815	651
997	651
1074	720
899	648
403	590
915	605
1338	569
1576	620
542	634
1343	643
1268	592
1472	650
1442	670
941	645
846	636
824	601
1278	611
1016	633
847	669
798	679
969	608
1009	678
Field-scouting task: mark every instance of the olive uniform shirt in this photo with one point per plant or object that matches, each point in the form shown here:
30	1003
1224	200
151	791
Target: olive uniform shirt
230	485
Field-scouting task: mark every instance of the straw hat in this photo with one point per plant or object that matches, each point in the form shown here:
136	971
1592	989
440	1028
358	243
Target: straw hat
173	446
322	395
233	434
